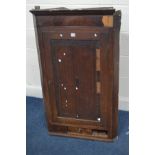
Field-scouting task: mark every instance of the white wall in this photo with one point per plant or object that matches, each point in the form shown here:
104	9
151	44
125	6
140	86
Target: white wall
33	86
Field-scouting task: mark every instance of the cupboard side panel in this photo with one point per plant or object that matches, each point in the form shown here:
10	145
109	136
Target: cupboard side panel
105	103
116	50
50	76
110	83
41	59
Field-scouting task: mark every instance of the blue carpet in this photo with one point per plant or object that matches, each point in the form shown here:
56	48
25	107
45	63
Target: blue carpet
40	143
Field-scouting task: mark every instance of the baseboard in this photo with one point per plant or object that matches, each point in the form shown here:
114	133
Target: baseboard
124	103
36	91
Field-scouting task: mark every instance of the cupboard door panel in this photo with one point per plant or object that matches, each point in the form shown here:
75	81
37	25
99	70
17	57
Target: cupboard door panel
75	71
64	77
84	73
74	65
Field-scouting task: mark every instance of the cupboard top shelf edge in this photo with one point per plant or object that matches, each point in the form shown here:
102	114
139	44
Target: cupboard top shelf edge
80	11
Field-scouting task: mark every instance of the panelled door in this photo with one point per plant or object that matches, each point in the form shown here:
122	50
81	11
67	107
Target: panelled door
74	69
74	59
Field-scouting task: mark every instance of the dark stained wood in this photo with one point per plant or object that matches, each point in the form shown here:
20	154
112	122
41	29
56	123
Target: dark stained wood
78	53
65	11
116	49
85	20
85	78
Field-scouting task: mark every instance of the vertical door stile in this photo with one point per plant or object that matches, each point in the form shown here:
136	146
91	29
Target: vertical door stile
75	92
98	83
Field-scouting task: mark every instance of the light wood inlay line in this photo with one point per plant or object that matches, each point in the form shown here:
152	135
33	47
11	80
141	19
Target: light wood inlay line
97	59
98	87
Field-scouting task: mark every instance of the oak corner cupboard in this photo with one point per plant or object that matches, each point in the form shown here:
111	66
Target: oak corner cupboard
78	52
